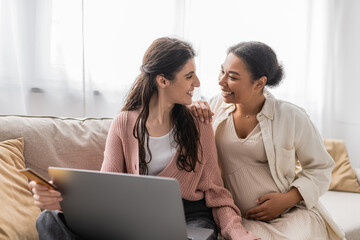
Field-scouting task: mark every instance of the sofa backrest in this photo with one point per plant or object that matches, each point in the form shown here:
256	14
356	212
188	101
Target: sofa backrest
59	142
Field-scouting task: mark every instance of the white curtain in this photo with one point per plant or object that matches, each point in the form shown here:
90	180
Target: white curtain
117	34
78	58
75	58
40	59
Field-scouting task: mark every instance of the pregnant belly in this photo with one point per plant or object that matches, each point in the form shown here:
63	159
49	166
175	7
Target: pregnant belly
247	184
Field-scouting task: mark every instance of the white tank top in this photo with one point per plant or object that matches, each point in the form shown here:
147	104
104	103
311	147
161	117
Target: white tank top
163	150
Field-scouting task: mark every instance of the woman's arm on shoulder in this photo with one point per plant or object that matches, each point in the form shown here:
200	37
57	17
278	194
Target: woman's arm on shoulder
114	154
203	109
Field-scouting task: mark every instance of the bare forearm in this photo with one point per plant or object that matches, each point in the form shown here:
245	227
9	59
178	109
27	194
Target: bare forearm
293	197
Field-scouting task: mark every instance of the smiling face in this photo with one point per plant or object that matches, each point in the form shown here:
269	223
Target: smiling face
236	81
181	89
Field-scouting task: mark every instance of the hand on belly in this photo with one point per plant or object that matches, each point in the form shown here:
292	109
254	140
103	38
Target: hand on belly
269	207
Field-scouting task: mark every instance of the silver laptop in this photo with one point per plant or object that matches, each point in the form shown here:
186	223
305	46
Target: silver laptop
100	205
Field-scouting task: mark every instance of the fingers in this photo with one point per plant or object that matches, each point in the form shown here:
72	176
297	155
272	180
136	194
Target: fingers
48	205
42	190
263	218
44	197
193	107
201	109
253	211
34	185
258	215
267	209
46	193
207	112
203	115
263	198
47	202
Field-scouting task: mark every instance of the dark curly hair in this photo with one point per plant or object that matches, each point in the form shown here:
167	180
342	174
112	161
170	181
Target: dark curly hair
260	61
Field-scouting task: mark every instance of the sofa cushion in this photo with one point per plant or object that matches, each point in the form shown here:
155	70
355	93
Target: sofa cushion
59	142
343	177
18	212
345	210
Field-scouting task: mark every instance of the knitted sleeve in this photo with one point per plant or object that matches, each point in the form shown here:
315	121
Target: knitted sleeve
114	154
226	215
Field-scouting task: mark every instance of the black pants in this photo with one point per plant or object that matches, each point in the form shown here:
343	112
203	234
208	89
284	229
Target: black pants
198	215
51	225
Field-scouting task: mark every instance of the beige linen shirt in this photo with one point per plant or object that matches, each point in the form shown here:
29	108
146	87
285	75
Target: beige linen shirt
289	133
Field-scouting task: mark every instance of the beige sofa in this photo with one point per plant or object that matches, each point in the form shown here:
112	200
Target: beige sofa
79	143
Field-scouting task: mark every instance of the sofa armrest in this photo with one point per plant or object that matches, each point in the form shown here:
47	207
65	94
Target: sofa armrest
357	171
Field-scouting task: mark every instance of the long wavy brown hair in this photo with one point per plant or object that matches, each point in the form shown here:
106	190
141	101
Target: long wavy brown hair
166	57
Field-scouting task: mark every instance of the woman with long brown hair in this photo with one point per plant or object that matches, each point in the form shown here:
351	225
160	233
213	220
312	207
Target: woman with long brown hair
156	134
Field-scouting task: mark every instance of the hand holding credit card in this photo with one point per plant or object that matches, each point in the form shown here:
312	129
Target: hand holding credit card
36	177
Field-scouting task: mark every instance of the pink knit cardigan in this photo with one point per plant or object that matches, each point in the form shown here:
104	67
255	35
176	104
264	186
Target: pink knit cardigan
121	155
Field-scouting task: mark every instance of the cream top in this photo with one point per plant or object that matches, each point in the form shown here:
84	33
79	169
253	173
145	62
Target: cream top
244	165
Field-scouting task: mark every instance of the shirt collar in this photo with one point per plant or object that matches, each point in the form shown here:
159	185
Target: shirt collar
267	110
